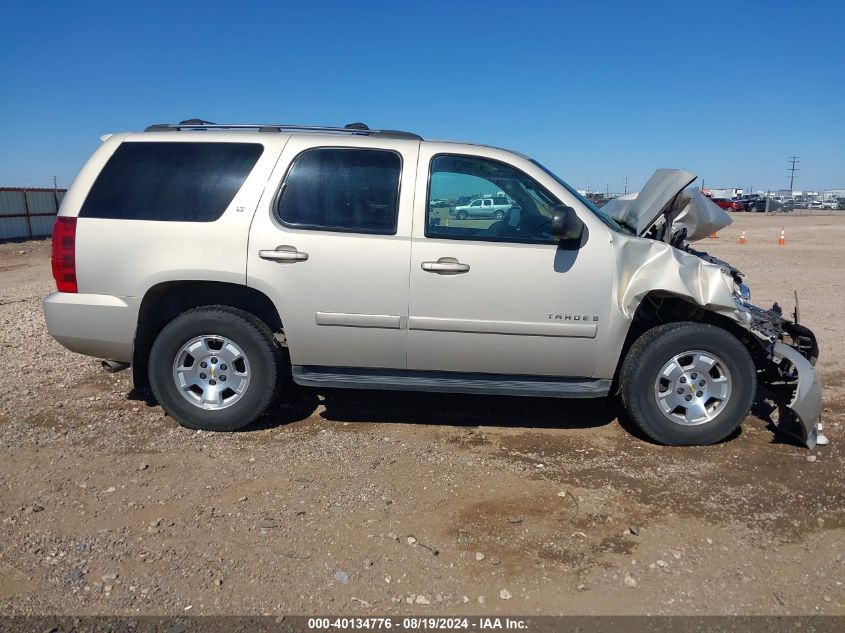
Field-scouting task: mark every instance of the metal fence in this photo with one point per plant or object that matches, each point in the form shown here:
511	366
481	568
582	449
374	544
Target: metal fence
26	213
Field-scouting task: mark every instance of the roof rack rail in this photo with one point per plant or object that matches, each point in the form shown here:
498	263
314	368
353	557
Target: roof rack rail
356	129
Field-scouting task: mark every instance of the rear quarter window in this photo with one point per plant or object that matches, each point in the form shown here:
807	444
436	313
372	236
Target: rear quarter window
177	182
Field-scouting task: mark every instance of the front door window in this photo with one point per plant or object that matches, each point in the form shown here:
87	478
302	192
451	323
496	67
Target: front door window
516	208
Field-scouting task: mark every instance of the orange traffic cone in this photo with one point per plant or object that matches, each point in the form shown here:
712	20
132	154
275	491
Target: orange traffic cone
742	239
782	239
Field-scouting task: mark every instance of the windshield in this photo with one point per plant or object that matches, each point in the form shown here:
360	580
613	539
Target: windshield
601	215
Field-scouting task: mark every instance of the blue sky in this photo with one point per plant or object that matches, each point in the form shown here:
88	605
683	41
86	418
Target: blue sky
596	90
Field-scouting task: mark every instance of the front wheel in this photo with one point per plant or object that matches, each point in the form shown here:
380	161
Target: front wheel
214	368
461	215
687	383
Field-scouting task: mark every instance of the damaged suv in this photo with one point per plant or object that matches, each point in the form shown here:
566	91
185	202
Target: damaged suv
219	261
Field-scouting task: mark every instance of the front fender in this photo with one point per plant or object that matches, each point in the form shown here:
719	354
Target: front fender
646	266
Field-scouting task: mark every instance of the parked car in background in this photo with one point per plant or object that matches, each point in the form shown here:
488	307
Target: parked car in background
482	208
830	203
781	204
757	204
774	204
597	199
816	204
729	205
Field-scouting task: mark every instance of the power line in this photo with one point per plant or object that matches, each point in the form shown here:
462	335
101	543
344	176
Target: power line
792	170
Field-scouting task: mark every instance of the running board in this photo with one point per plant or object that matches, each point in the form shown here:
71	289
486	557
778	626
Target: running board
449	382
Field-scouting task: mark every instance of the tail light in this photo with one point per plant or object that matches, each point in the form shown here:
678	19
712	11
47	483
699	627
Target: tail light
64	254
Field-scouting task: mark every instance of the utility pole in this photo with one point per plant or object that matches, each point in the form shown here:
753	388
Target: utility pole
626	184
792	170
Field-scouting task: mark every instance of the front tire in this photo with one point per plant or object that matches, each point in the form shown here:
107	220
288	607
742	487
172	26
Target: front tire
687	383
214	368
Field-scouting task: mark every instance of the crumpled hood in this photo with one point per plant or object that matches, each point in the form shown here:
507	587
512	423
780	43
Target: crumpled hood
698	214
666	193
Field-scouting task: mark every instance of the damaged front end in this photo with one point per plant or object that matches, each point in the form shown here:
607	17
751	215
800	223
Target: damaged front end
784	352
786	362
787	371
671	214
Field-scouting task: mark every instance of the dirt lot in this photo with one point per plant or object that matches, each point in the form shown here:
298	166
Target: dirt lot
368	503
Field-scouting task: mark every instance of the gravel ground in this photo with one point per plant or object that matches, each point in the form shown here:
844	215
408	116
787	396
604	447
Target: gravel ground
373	503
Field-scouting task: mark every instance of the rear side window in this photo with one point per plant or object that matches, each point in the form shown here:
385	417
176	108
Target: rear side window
178	182
337	189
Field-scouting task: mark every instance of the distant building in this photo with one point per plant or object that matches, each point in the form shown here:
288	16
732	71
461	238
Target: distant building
793	193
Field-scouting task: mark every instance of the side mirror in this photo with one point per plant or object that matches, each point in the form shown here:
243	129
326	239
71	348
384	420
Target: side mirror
566	225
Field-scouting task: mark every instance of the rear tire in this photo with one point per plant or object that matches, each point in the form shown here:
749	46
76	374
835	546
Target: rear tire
661	390
214	335
461	215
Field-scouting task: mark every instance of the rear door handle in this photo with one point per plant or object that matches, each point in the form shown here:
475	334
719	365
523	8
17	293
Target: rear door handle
283	254
445	266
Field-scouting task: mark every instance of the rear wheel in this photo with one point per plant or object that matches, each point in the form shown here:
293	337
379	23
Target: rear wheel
687	383
461	215
499	215
214	368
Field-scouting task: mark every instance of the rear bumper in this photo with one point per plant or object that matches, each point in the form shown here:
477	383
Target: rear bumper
94	325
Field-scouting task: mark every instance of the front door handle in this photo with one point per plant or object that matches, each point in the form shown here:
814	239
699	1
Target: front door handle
445	266
283	254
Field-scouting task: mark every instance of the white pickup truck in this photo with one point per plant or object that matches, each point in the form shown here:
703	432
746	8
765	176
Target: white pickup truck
482	208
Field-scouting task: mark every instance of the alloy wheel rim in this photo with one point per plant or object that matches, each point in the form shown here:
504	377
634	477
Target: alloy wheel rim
693	387
211	372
